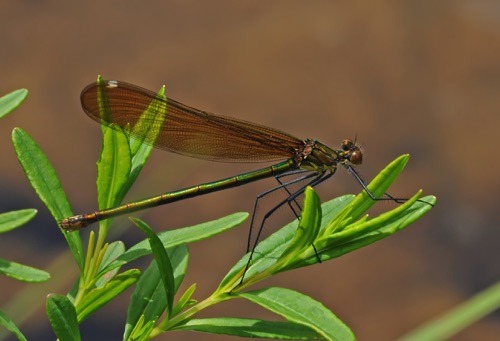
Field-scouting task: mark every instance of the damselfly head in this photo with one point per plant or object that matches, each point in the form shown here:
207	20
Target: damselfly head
356	157
352	151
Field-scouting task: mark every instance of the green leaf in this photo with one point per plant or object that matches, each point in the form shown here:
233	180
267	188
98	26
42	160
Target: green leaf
114	250
251	328
367	232
11	326
62	316
22	272
148	301
12	220
300	309
103	102
335	244
141	331
181	236
11	101
145	126
166	271
123	156
114	164
44	180
113	169
309	226
185	300
98	297
149	298
41	174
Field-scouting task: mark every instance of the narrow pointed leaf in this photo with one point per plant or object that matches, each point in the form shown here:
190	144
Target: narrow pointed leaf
113	169
300	309
251	328
308	228
142	332
100	296
11	101
122	161
14	219
162	260
22	272
185	300
11	326
113	166
44	180
103	102
149	299
114	250
146	126
367	232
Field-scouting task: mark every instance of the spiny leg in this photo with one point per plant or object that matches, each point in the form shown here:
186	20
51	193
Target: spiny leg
318	178
282	185
389	197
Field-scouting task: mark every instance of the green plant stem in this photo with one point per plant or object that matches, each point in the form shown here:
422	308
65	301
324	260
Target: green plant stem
169	324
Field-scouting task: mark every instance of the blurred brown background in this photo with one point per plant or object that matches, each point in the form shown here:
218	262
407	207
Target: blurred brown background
418	77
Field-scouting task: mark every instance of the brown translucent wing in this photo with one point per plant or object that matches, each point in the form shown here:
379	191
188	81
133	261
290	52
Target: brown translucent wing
187	130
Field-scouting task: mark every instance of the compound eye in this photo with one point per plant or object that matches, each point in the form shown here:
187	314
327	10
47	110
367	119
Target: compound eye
347	145
356	157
